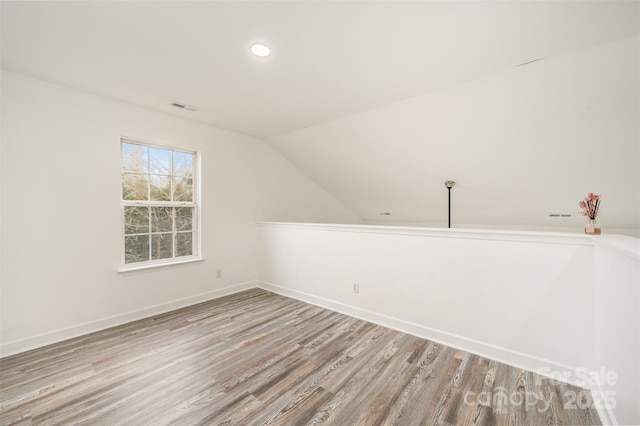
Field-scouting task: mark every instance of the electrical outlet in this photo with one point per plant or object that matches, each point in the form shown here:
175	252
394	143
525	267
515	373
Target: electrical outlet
356	288
218	273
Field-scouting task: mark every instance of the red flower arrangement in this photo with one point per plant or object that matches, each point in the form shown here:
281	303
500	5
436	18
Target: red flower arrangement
590	206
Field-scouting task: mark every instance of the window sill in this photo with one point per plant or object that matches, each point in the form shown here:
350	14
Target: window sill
151	267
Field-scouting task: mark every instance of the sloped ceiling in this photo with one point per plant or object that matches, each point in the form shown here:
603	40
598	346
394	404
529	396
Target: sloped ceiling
380	102
520	144
330	58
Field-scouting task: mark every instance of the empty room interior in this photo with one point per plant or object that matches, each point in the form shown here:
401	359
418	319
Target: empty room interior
304	212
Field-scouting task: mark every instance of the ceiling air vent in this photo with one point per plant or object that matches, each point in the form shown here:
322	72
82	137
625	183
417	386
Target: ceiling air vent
184	106
530	62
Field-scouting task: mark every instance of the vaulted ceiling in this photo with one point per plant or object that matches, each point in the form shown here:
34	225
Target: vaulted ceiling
380	102
329	59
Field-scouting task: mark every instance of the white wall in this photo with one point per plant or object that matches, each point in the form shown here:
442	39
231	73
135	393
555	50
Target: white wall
520	144
61	211
618	324
495	295
283	193
539	301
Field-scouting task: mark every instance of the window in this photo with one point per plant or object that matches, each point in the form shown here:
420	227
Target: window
159	204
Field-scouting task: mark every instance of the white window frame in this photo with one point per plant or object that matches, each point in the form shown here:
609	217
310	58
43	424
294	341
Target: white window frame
196	204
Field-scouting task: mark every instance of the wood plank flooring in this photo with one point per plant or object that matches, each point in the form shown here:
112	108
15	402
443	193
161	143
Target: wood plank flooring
260	358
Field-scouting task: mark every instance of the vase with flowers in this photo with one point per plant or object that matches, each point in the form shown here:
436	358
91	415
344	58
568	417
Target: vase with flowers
589	208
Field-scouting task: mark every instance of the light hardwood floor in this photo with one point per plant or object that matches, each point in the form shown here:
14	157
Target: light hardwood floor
260	358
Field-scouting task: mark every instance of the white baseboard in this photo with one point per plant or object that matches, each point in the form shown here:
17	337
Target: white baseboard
605	411
44	339
487	350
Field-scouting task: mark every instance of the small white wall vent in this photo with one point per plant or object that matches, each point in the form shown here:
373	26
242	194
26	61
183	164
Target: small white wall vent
184	106
530	62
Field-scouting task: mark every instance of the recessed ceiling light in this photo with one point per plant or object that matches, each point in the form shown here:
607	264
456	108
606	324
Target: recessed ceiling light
260	50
